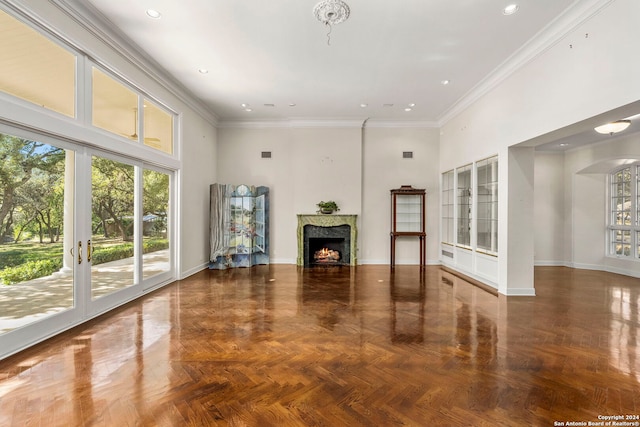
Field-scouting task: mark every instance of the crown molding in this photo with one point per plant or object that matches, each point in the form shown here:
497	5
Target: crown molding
99	27
578	13
293	123
378	123
325	123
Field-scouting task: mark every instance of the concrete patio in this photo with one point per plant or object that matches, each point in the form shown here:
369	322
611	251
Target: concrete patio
26	302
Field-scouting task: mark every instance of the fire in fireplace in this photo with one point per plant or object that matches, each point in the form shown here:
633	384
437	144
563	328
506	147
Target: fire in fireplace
326	256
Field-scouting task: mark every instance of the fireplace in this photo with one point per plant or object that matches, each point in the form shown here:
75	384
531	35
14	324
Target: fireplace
327	245
326	240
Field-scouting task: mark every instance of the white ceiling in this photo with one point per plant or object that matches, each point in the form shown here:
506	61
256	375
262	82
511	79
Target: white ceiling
275	52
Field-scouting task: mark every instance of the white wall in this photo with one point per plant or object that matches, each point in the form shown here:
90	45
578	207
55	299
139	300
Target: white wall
384	169
199	145
355	169
586	172
549	186
571	205
307	165
575	79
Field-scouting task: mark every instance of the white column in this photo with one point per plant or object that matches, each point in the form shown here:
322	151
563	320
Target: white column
69	198
516	236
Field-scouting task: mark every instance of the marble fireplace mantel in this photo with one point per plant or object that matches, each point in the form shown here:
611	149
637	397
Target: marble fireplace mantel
327	220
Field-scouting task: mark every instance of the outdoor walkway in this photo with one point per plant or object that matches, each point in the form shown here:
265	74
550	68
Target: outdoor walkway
29	301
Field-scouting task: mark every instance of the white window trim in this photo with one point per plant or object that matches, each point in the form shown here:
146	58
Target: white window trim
634	227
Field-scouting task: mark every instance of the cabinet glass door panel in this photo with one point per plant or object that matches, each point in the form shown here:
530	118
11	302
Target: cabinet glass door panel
260	232
241	211
114	226
408	213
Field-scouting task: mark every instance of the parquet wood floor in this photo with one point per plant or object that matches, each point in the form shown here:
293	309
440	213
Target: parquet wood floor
283	346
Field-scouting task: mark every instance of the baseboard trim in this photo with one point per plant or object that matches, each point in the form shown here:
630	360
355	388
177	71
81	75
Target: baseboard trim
475	282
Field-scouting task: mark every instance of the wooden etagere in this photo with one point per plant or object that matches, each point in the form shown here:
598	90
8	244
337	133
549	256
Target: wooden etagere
408	218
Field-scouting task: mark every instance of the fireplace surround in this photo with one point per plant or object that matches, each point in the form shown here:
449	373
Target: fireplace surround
338	232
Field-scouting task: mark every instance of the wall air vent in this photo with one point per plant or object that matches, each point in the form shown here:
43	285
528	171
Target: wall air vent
266	154
407	154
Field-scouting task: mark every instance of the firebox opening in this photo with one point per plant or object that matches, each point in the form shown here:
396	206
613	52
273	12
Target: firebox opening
335	238
326	251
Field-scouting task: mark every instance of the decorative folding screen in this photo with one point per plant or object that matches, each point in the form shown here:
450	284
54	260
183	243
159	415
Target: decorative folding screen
239	226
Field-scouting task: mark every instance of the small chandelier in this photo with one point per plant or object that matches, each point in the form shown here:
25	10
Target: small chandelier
613	127
331	12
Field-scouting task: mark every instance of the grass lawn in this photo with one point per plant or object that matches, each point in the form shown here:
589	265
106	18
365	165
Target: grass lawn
13	254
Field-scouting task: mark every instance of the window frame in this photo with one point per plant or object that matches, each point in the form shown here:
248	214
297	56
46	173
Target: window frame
623	235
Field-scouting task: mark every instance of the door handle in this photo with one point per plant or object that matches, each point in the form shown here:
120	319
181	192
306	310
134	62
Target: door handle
89	250
79	252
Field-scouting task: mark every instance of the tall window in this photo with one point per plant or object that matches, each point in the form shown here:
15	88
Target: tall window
624	226
447	207
465	200
487	201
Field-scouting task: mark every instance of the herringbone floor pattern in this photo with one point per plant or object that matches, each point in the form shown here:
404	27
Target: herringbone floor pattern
283	346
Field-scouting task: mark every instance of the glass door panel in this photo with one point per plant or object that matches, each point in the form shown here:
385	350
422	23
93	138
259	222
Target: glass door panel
155	221
114	226
36	231
260	231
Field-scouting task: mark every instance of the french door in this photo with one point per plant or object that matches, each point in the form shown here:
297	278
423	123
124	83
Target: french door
82	231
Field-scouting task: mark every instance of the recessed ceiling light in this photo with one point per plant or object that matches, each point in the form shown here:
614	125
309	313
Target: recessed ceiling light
412	105
511	9
445	82
408	109
564	144
203	71
152	13
244	105
292	105
364	105
248	110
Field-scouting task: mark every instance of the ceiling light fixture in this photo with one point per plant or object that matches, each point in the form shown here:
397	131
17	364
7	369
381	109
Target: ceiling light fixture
203	71
511	9
613	127
331	12
408	109
154	14
445	82
364	105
